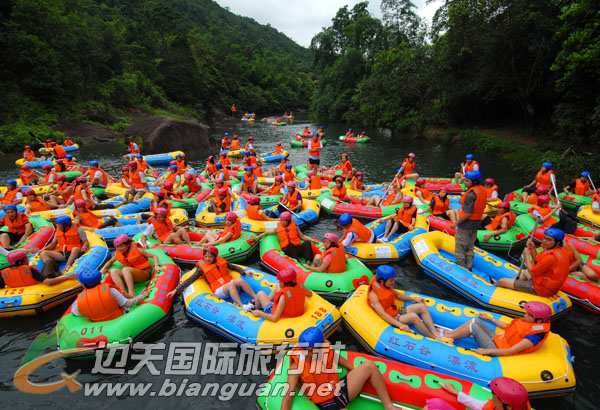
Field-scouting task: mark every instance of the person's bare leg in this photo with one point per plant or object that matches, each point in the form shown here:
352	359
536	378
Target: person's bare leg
368	372
117	277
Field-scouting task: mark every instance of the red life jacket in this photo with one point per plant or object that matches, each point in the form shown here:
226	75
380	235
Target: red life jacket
294	300
517	330
97	304
249	180
133	259
491	190
338	259
162	229
225	142
293	198
345	167
356	184
339	192
424	193
275	189
192	184
63	187
387	297
69	239
133	148
125	181
543	210
77	194
235	144
142	165
160	205
216	274
364	234
315	182
26	178
29	155
18	276
288	176
289	234
480	202
392	198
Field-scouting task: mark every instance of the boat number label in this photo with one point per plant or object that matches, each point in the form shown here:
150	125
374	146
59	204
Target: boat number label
383	252
318	313
421	247
84	331
327	203
14	291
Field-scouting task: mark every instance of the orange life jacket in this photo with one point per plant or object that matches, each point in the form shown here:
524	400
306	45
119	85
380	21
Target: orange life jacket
491	190
160	204
543	210
29	155
133	259
226	201
69	239
364	234
532	199
48	175
18	276
235	144
69	163
387	297
103	179
315	182
252	212
288	234
67	143
406	215
9	196
181	166
480	202
125	180
497	221
48	144
549	283
439	206
136	180
580	187
225	142
278	150
345	167
77	194
142	165
63	187
216	274
249	180
314	374
171	177
133	148
338	259
356	184
288	176
275	189
17	225
471	166
281	166
543	179
235	229
312	145
37	205
293	198
409	166
59	152
97	304
246	147
392	198
424	193
87	218
192	184
294	300
339	192
225	162
26	178
517	330
162	229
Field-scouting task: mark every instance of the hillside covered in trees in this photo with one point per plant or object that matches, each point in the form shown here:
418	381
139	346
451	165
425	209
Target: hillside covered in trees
65	58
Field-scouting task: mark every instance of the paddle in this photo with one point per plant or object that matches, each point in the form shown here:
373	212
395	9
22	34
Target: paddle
553	180
537	222
293	213
389	186
592	182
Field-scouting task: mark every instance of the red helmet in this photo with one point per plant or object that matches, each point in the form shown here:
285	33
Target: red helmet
543	199
59	161
285	216
27	147
61	177
121	239
331	237
187	175
235	137
408	199
222	191
210	157
254	166
223	154
598	191
219	181
160	193
250	138
161	211
291	184
53	144
490	181
124	169
79	202
420	181
46	167
132	164
339	179
288	274
173	163
278	178
279	144
254	199
168	185
16	256
411	155
48	141
504	204
211	249
541	190
311	173
24	166
28	192
538	310
359	173
510	392
231	216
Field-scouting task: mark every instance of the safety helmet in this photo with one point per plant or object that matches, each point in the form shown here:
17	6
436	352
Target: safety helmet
28	192
222	191
288	166
408	199
557	234
27	147
219	181
16	256
279	144
187	175
46	167
339	179
311	336
585	174
53	144
473	175
291	184
89	277
124	169
61	177
48	141
345	219
235	137
219	165
226	134
69	156
538	310
285	216
79	203
330	236
420	181
231	216
10	206
547	165
287	274
121	239
359	173
278	178
223	153
251	138
211	249
161	211
490	181
168	185
543	199
249	168
541	190
504	204
173	162
469	156
24	166
179	156
139	156
63	220
253	199
412	155
510	392
174	167
11	182
385	272
93	163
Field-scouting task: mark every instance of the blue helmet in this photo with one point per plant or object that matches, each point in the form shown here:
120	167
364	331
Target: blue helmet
400	171
89	277
469	156
178	156
173	167
219	165
226	134
11	182
288	166
63	220
93	163
315	134
10	206
249	169
585	174
69	156
473	175
139	156
311	336
547	165
385	272
247	152
557	234
345	219
321	126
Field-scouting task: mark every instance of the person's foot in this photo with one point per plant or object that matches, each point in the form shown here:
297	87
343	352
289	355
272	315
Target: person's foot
248	307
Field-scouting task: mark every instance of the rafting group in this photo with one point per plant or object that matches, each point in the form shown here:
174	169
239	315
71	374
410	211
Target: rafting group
117	244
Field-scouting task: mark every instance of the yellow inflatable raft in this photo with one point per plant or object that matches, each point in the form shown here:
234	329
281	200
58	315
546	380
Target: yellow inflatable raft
587	216
310	213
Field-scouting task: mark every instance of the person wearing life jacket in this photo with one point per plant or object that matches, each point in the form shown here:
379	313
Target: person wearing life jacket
357	182
332	260
132	150
257	171
276	188
346	167
59	166
522	335
34	203
136	265
59	152
138	183
507	394
100	302
221	203
192	182
292	201
48	144
218	184
67	142
542	179
235	143
142	165
315	146
286	300
402	221
215	270
224	160
491	188
581	185
62	193
421	192
392	197
305	131
124	180
314	181
546	271
255	212
98	177
500	223
338	192
408	165
20	274
28	175
291	239
231	231
532	199
13	194
399	179
233	110
279	169
69	243
28	154
544	211
469	165
473	203
19	227
439	205
83	217
349	133
249	146
278	150
383	297
225	141
70	162
161	228
288	174
325	389
576	265
354	231
249	182
80	191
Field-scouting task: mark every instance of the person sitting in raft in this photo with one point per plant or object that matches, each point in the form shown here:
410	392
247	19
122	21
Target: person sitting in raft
193	184
339	190
67	142
278	150
408	165
20	274
581	185
501	222
421	192
542	179
172	176
546	271
291	239
48	144
28	175
332	260
276	188
330	393
224	160
70	162
250	159
142	164
136	266
222	203
62	192
13	194
314	181
346	167
29	154
279	169
306	131
133	149
49	176
532	199
392	198
382	299
100	302
124	180
138	184
161	227
292	201
349	133
402	221
80	191
355	231
249	182
218	184
286	299
288	174
231	231
235	143
72	243
98	177
357	182
576	265
543	211
596	201
19	227
215	270
522	335
507	394
469	165
491	188
85	218
439	205
225	141
170	193
255	212
58	152
34	203
257	170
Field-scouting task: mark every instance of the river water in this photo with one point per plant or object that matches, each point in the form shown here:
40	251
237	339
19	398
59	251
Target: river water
379	160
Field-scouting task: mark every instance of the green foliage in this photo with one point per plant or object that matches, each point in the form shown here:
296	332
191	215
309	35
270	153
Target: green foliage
16	135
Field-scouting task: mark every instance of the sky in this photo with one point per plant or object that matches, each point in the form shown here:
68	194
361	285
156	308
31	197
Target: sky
302	19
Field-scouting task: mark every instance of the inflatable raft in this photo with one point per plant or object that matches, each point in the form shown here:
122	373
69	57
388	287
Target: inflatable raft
355	207
206	218
230	321
270	157
546	372
335	286
304	143
162	159
526	222
43	232
34	164
586	216
434	252
68	148
572	201
409	387
359	139
141	320
308	214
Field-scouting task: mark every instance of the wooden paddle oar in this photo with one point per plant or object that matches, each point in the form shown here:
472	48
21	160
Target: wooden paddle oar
537	222
293	213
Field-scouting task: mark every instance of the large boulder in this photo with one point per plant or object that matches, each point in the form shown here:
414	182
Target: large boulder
165	134
218	117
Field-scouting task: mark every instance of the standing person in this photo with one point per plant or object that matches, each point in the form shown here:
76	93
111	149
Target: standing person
469	165
473	204
314	152
233	110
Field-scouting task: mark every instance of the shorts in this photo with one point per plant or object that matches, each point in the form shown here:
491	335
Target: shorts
340	401
443	216
268	309
140	275
401	311
483	335
525	286
138	191
220	293
14	236
314	161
